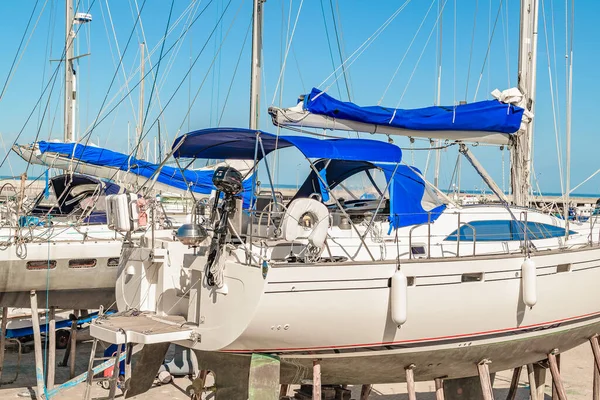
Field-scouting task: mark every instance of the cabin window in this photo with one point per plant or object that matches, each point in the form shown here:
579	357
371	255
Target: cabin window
41	265
113	262
505	230
82	263
418	251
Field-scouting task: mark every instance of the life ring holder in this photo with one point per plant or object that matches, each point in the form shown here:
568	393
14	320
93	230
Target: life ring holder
296	213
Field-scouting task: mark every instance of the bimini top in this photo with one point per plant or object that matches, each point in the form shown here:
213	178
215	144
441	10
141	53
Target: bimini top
238	143
411	202
490	121
199	181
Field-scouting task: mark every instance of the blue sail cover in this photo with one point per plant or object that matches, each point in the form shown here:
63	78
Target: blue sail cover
240	144
487	116
406	190
199	181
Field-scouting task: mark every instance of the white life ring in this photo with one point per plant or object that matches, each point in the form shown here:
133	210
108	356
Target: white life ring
306	210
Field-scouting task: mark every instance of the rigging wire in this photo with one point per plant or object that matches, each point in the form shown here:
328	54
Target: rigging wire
419	59
454	66
287	49
134	111
471	50
88	134
406	54
329	47
361	49
340	51
107	113
237	64
505	30
183	81
556	131
14	61
50	84
487	52
47	52
162	49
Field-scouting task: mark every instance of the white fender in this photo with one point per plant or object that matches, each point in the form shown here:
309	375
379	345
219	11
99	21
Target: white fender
529	282
399	298
292	229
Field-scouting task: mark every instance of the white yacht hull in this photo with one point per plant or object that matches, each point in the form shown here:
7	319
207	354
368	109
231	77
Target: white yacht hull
69	270
460	310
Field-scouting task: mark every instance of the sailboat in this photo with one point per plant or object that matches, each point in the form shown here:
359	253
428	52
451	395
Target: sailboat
362	284
61	245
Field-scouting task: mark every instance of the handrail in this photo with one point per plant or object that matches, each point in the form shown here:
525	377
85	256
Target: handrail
410	239
460	225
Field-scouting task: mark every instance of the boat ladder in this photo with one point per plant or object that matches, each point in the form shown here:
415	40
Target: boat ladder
111	382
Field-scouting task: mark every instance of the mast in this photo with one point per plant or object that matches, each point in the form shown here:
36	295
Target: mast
69	73
257	21
438	98
521	149
140	147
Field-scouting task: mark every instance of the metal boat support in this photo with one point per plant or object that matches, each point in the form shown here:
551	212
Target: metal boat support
514	384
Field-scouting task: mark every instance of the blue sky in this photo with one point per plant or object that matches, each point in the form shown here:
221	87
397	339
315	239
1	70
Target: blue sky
309	62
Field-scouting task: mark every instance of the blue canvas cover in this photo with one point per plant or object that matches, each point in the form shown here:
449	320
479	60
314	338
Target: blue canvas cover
200	181
406	196
487	116
406	189
238	143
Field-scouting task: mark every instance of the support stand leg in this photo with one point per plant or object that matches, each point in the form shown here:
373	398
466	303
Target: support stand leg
554	391
596	388
514	384
556	380
3	338
439	389
37	342
365	392
539	373
595	350
316	394
532	384
283	391
484	377
51	348
72	349
410	382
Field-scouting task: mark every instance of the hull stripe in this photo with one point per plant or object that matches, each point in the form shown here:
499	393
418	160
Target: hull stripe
352	348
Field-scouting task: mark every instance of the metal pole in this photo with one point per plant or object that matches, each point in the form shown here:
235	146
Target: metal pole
73	348
568	161
3	338
37	343
51	348
255	75
69	73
